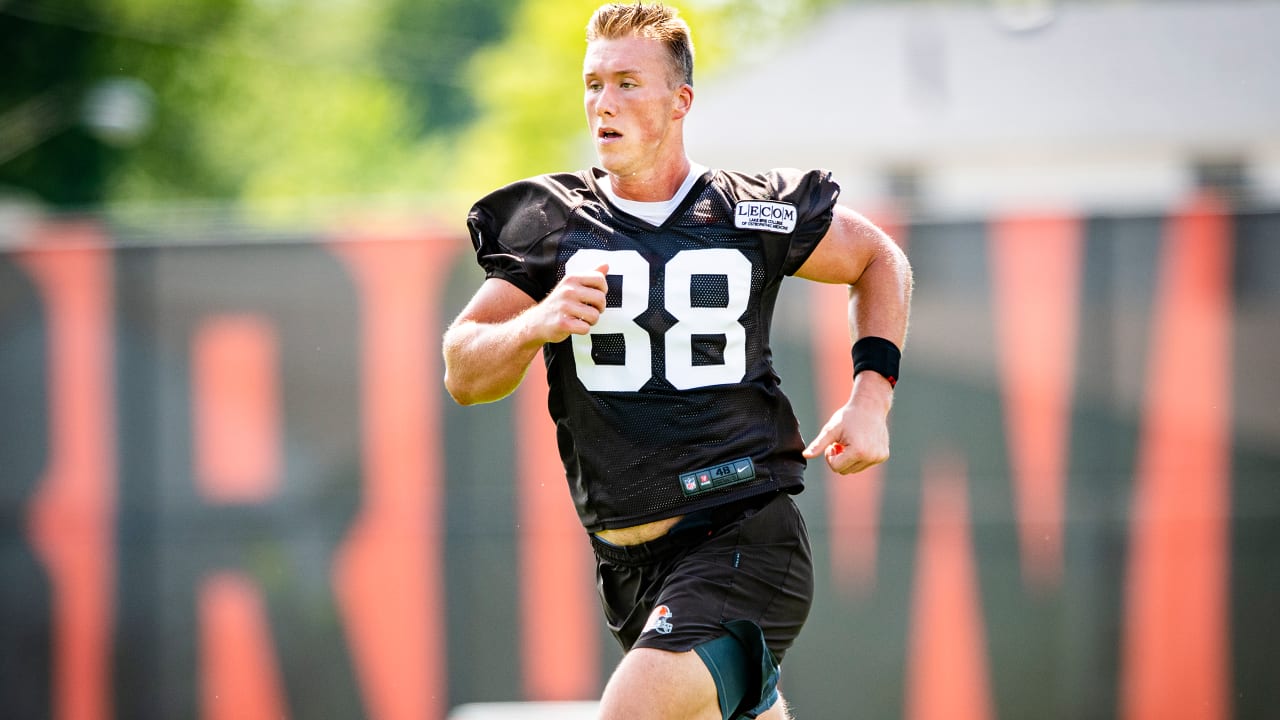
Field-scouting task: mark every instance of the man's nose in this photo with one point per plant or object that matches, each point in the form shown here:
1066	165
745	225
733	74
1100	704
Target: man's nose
605	105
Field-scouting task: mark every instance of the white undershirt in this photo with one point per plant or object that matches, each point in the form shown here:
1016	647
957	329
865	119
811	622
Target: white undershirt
654	213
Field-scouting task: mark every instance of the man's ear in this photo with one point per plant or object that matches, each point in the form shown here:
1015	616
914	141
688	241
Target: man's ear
682	102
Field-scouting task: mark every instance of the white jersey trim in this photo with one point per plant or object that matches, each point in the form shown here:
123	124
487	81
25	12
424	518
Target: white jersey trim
654	213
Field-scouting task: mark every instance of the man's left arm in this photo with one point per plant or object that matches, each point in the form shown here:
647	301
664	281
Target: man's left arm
856	253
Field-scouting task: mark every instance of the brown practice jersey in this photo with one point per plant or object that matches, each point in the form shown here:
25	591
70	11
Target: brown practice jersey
671	403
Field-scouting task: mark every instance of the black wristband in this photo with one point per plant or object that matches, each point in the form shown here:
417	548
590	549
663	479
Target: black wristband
878	355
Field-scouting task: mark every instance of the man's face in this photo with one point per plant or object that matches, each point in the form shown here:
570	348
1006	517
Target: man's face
631	106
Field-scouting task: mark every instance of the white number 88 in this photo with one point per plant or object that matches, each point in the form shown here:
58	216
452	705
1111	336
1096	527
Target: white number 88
678	301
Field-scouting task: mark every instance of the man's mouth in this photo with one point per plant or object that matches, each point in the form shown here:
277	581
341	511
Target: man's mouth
608	134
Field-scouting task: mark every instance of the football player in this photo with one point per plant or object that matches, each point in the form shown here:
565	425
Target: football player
649	284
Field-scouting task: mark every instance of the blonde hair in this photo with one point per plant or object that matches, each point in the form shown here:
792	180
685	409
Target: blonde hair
654	21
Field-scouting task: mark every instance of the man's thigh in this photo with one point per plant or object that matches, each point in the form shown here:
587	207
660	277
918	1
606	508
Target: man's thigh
661	685
654	684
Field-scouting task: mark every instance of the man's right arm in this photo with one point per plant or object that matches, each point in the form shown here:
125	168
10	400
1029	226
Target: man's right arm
489	347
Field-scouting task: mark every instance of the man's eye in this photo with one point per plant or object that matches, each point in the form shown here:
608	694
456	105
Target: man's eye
593	87
628	84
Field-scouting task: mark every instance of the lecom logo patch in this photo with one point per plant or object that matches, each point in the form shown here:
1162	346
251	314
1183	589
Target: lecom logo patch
767	215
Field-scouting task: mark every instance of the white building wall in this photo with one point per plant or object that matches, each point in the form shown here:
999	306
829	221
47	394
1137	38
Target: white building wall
1107	107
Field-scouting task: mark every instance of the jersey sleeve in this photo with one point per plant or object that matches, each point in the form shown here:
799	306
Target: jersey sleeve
814	194
512	230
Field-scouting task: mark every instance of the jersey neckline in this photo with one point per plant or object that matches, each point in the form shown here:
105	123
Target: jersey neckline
595	178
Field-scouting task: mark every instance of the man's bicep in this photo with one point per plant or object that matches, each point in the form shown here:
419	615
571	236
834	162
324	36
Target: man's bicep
495	301
851	242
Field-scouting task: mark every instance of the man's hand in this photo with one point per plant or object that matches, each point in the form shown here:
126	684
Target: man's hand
857	435
573	306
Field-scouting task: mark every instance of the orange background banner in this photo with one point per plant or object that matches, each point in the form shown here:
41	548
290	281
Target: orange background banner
233	485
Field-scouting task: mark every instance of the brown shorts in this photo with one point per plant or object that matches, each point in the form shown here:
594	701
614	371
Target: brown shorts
748	561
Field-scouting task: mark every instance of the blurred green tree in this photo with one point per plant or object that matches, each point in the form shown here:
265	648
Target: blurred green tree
272	102
49	148
241	99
